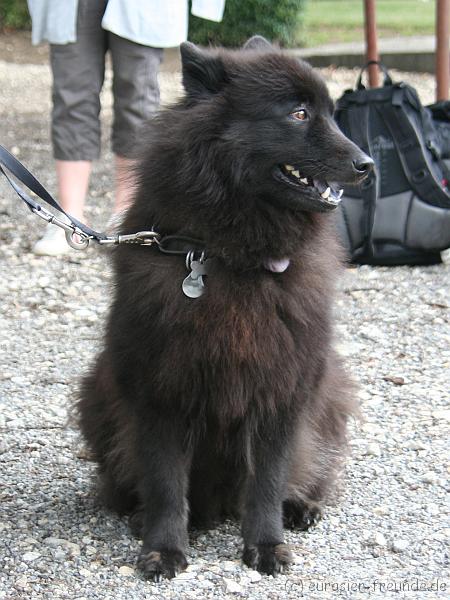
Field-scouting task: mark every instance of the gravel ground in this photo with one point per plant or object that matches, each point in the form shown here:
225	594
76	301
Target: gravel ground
387	533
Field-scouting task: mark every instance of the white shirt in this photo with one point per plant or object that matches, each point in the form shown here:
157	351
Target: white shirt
157	23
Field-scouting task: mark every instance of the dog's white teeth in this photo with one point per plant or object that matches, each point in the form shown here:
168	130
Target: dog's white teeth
339	195
304	180
296	174
289	167
326	193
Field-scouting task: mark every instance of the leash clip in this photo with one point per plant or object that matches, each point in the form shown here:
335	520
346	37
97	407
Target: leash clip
142	238
77	239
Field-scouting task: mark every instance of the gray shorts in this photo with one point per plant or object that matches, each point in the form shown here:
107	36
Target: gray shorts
78	74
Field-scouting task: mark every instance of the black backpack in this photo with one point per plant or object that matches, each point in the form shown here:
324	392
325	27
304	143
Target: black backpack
401	213
440	113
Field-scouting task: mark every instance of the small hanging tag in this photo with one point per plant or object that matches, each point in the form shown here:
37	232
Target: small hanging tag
194	286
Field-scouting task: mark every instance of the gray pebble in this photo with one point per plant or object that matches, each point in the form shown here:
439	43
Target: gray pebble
30	556
374	538
400	545
429	477
373	449
232	587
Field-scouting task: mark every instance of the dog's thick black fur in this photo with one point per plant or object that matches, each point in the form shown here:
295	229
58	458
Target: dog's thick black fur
233	403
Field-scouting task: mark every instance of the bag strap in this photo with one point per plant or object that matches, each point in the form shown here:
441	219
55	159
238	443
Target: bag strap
409	144
440	111
358	121
387	77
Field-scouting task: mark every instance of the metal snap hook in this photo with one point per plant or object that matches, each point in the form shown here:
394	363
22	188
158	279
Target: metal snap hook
72	238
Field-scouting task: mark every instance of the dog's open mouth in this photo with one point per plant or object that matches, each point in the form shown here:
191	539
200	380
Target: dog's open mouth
328	195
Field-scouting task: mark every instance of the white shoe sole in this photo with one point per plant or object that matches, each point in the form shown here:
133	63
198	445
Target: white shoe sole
52	243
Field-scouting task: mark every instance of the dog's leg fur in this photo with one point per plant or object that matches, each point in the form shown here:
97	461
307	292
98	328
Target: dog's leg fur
217	477
143	467
262	523
105	425
163	467
320	448
98	422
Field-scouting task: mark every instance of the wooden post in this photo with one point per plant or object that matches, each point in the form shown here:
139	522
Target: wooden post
442	49
370	24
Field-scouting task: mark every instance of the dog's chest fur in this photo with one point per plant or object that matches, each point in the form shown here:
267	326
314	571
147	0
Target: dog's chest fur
237	347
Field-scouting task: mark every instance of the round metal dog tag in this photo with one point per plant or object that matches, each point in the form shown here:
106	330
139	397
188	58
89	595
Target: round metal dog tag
193	287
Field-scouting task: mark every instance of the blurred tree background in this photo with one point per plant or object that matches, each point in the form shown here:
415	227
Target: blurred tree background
288	22
14	14
277	21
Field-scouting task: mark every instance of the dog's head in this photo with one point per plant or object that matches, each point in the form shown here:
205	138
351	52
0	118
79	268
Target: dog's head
276	121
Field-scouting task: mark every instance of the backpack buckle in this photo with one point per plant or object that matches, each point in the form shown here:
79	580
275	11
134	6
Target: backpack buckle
435	151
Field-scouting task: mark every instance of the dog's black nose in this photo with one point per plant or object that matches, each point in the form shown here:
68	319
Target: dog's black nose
363	165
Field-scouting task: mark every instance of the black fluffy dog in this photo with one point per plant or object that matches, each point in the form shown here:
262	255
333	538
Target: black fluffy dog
231	402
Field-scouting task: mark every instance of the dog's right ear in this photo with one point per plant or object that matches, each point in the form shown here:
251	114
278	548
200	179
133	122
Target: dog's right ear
203	74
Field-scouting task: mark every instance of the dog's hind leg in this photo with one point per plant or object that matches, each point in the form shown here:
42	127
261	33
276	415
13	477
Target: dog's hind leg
301	514
215	483
117	496
319	450
98	413
311	473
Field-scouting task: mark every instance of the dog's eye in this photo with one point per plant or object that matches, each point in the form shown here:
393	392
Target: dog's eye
300	115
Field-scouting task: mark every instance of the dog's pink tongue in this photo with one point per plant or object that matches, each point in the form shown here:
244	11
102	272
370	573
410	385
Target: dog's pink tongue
277	266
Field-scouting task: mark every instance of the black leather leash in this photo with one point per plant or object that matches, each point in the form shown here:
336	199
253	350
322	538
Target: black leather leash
79	235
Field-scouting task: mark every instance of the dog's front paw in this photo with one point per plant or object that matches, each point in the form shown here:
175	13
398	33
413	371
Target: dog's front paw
161	564
301	515
267	558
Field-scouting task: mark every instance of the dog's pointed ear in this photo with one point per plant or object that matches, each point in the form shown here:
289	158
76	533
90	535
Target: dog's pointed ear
203	73
257	42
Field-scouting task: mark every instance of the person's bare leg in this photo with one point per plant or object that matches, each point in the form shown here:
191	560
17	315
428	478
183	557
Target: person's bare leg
124	181
73	181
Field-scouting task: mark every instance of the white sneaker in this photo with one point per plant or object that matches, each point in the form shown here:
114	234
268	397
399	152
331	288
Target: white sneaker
52	243
445	256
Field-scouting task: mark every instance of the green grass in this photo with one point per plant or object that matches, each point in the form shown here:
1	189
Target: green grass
332	21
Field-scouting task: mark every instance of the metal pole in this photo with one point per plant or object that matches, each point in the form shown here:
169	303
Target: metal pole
371	40
442	49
